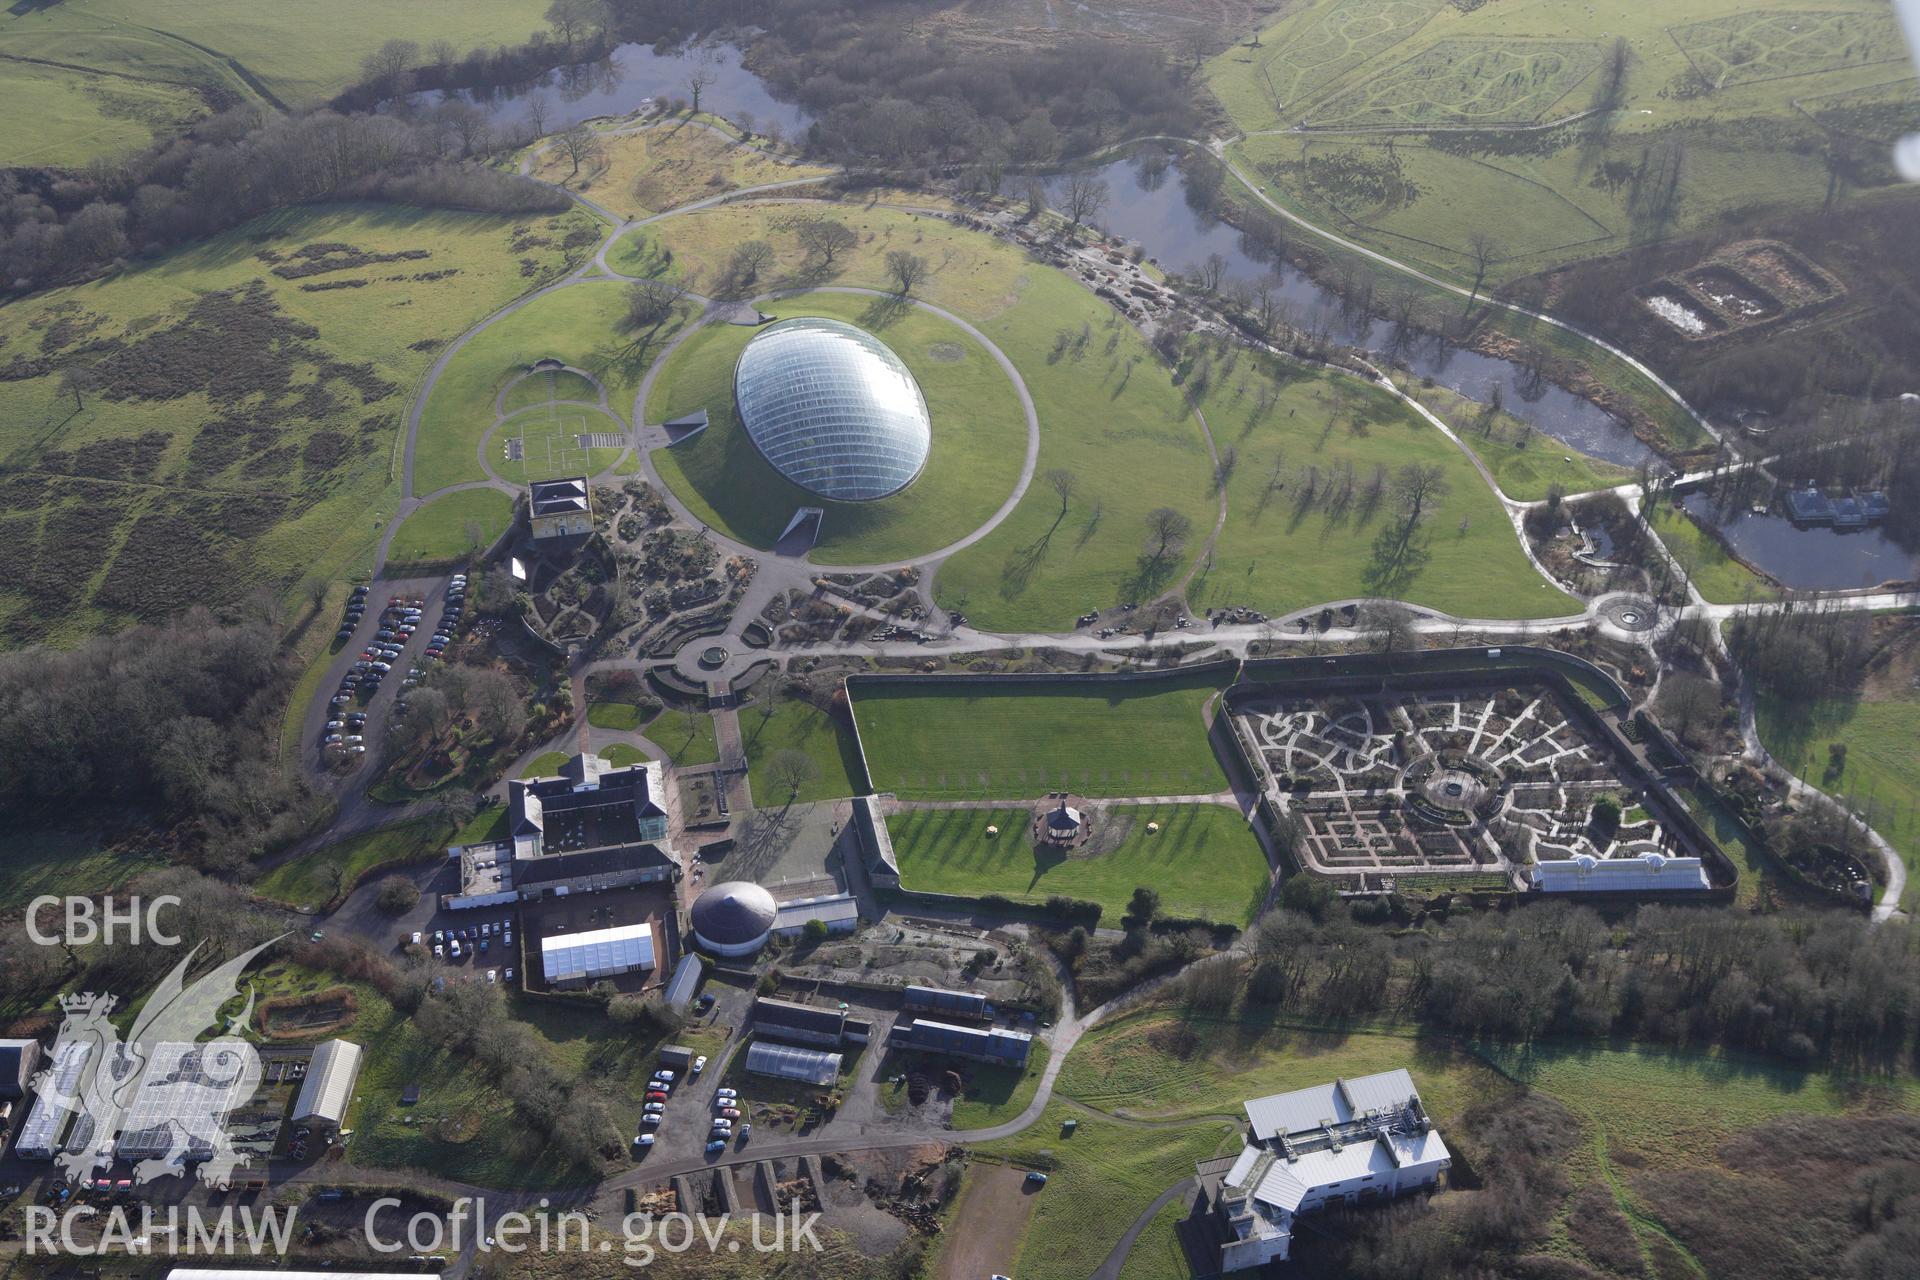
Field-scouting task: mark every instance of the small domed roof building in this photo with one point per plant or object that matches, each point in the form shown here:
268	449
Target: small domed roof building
733	918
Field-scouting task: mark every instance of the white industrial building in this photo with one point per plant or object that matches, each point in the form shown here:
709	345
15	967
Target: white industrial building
595	954
328	1088
1641	873
1351	1142
790	1062
839	912
684	983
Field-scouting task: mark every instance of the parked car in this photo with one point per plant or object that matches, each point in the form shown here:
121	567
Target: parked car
724	1092
664	1074
335	739
700	1064
654	1108
509	973
439	952
745	1129
493	975
643	1141
716	1146
652	1120
416	937
730	1113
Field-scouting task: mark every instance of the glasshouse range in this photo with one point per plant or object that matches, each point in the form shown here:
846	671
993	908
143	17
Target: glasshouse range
833	409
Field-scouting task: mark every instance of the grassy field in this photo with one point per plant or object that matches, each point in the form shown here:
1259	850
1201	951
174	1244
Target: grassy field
664	167
314	647
686	736
1738	90
1641	1109
1204	860
582	324
1716	574
979	439
63	862
613	715
1099	1178
546	387
973	275
81	116
1168	1066
930	742
1108	411
1882	772
252	388
1527	464
288	53
799	726
1302	528
328	873
545	765
451	526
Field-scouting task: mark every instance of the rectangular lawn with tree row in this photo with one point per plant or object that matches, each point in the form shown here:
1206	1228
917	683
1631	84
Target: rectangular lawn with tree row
1203	861
774	730
933	741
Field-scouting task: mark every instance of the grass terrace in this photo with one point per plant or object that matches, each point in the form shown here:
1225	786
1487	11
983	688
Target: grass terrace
935	741
1204	861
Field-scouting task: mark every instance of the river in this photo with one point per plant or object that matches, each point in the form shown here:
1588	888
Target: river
1149	206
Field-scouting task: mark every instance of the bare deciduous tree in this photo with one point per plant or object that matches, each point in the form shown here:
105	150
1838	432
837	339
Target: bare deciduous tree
793	769
1167	532
1063	483
698	81
1485	251
1085	196
749	260
1417	486
579	144
826	239
906	270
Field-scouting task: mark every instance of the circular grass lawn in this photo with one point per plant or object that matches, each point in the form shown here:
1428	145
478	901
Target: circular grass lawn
979	439
549	443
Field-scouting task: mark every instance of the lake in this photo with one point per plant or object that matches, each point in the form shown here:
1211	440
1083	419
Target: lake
1807	559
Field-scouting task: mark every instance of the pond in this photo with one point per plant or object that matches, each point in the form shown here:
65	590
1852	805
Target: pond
620	82
1806	559
1150	206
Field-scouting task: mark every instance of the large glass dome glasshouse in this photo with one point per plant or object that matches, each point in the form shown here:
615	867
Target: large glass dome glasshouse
833	409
